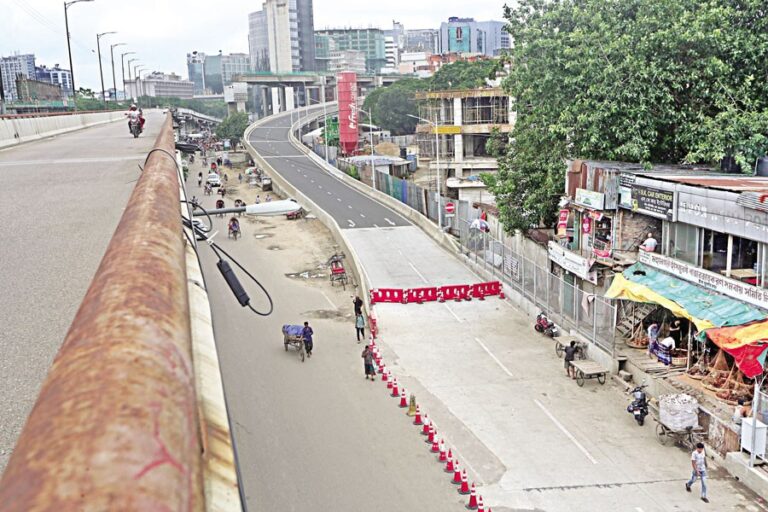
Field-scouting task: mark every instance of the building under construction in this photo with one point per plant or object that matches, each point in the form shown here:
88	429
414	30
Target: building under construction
463	120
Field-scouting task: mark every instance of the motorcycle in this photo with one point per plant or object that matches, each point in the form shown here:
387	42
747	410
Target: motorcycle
639	406
135	128
544	326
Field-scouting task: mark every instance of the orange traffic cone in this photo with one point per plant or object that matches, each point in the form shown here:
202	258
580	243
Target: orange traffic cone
480	506
449	464
385	375
403	401
464	489
443	456
417	419
431	436
390	382
395	391
472	505
425	428
435	446
456	473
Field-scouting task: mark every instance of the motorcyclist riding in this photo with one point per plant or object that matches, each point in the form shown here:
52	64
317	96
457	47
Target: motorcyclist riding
134	114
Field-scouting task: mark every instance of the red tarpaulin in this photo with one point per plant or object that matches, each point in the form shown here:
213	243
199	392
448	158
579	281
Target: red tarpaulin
748	344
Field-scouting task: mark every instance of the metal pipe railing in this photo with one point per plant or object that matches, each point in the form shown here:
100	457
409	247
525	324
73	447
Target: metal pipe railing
116	424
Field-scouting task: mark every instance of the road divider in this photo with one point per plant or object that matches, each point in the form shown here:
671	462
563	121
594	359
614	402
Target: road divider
436	294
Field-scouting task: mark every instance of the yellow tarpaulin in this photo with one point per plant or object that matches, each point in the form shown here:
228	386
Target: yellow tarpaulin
623	288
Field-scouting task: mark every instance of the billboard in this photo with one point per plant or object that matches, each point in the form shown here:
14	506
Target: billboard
347	86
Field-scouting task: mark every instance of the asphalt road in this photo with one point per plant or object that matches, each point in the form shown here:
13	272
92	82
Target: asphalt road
315	435
61	199
350	208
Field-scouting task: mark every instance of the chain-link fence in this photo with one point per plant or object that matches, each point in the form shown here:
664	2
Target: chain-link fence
592	316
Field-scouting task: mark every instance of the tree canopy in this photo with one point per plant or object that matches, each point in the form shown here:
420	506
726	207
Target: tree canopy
232	127
662	81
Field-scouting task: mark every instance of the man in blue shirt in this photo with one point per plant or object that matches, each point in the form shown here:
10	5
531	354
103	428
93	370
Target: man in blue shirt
307	333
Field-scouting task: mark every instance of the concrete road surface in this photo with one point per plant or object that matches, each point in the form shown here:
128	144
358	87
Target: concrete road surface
316	435
60	201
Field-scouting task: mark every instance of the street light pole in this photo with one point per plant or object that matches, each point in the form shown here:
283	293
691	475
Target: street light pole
101	72
69	48
122	70
437	162
112	55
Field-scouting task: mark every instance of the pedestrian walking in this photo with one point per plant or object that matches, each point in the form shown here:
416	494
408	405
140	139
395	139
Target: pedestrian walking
226	178
307	334
240	177
699	466
218	161
358	303
367	356
258	199
199	179
570	355
360	327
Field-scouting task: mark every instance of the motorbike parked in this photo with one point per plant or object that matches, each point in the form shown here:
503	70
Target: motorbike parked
544	326
639	406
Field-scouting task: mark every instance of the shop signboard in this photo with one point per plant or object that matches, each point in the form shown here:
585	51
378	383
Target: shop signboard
562	223
590	199
572	262
706	279
653	202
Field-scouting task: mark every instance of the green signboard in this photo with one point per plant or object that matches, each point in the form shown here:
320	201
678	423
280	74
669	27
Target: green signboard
332	131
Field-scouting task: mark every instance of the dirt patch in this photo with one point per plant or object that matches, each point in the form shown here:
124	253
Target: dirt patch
329	314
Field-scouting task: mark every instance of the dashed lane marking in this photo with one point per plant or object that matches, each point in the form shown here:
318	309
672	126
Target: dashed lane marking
418	273
389	221
501	365
565	431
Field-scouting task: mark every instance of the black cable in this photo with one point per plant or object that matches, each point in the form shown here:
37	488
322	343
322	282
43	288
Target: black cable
216	248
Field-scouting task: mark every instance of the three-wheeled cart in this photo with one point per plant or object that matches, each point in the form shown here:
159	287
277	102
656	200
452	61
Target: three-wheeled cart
293	336
581	348
338	272
586	369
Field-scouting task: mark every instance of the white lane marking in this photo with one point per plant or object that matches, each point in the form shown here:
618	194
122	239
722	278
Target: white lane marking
564	431
418	273
376	225
638	509
330	193
401	253
454	314
312	181
319	186
349	206
351	224
334	306
501	365
338	199
389	221
363	216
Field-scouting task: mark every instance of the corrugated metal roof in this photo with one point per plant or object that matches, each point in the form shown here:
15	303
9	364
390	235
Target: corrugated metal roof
730	182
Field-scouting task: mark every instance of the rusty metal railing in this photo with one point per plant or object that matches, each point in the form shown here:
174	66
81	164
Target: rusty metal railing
116	424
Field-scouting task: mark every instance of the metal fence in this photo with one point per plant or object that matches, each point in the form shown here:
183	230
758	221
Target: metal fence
592	316
760	413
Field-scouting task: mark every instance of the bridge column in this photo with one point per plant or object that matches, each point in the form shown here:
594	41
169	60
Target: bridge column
290	102
275	91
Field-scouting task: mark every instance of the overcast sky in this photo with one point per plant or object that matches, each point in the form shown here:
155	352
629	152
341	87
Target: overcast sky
161	32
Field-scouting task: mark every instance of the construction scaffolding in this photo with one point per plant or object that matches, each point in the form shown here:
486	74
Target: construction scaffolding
478	106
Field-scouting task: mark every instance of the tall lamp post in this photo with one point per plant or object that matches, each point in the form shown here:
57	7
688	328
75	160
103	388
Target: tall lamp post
69	49
122	69
130	79
136	75
437	161
370	133
101	73
112	56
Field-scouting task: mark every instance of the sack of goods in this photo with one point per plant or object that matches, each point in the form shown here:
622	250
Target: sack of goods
679	412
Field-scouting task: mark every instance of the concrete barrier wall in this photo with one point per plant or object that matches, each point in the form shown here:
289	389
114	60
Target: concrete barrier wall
19	130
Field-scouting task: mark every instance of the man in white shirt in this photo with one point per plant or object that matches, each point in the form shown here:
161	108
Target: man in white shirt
699	465
650	244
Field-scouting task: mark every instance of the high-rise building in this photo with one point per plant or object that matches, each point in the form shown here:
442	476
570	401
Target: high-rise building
157	84
465	35
195	71
281	36
233	65
392	53
258	41
11	67
56	76
421	40
347	60
368	40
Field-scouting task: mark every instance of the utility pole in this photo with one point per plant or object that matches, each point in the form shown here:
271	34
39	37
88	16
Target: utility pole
69	48
122	69
112	55
101	72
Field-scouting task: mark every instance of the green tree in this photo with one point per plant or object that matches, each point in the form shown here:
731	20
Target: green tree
463	75
232	127
663	81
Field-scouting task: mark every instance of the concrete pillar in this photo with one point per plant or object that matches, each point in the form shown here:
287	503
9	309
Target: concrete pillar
457	114
290	104
275	100
322	93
